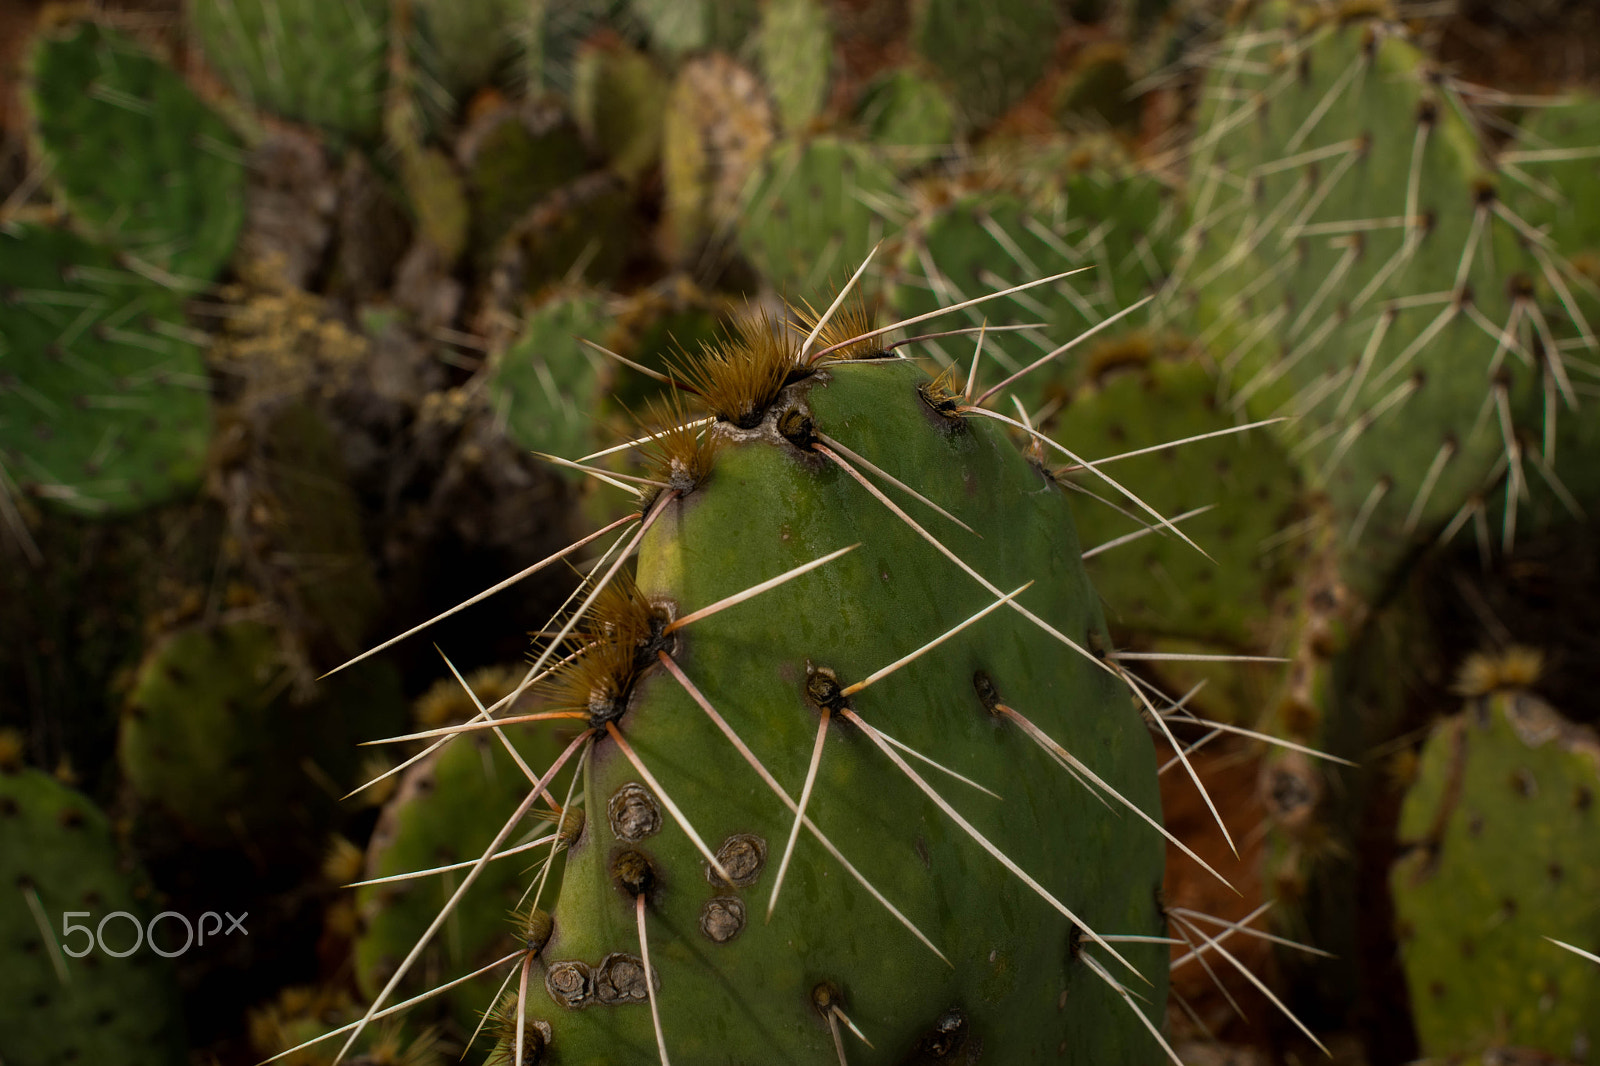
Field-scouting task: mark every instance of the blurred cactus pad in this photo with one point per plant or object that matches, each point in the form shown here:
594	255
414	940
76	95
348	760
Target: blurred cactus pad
1178	551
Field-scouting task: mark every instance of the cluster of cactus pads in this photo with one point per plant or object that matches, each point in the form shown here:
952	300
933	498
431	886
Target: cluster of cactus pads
841	751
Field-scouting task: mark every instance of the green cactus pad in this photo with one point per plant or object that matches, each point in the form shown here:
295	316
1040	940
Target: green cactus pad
57	856
1505	851
463	47
546	386
512	161
1158	585
103	404
719	126
735	988
908	114
619	98
1385	338
446	811
306	60
1114	223
140	160
796	51
217	745
817	208
989	62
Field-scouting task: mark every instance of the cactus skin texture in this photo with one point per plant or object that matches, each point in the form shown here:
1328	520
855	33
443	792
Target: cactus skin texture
102	408
140	160
1019	987
305	60
57	848
1505	851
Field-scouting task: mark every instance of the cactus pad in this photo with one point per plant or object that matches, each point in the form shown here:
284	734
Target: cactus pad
57	855
141	161
103	403
1504	852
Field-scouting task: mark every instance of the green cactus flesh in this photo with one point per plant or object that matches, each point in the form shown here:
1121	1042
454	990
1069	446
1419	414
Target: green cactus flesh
215	743
733	987
437	818
816	210
796	51
103	404
1158	585
619	98
1353	267
303	59
141	161
908	114
546	384
57	856
988	62
1112	226
1504	852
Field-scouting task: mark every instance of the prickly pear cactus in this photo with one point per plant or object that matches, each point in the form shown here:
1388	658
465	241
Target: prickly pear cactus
57	856
103	403
140	160
1501	823
971	961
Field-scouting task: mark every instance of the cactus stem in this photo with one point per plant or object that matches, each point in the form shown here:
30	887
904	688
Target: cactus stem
800	810
649	977
666	800
891	479
772	783
983	841
466	883
1075	767
880	331
490	591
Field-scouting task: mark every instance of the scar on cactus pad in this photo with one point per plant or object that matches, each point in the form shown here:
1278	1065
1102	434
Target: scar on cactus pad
922	613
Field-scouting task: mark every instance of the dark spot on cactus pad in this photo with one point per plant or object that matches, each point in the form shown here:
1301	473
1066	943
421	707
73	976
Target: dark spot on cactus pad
620	979
1475	825
634	813
722	918
1523	784
823	688
796	427
8	807
988	695
1096	643
70	818
947	1036
825	997
743	855
1074	942
1469	947
1582	799
1427	113
634	873
570	984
